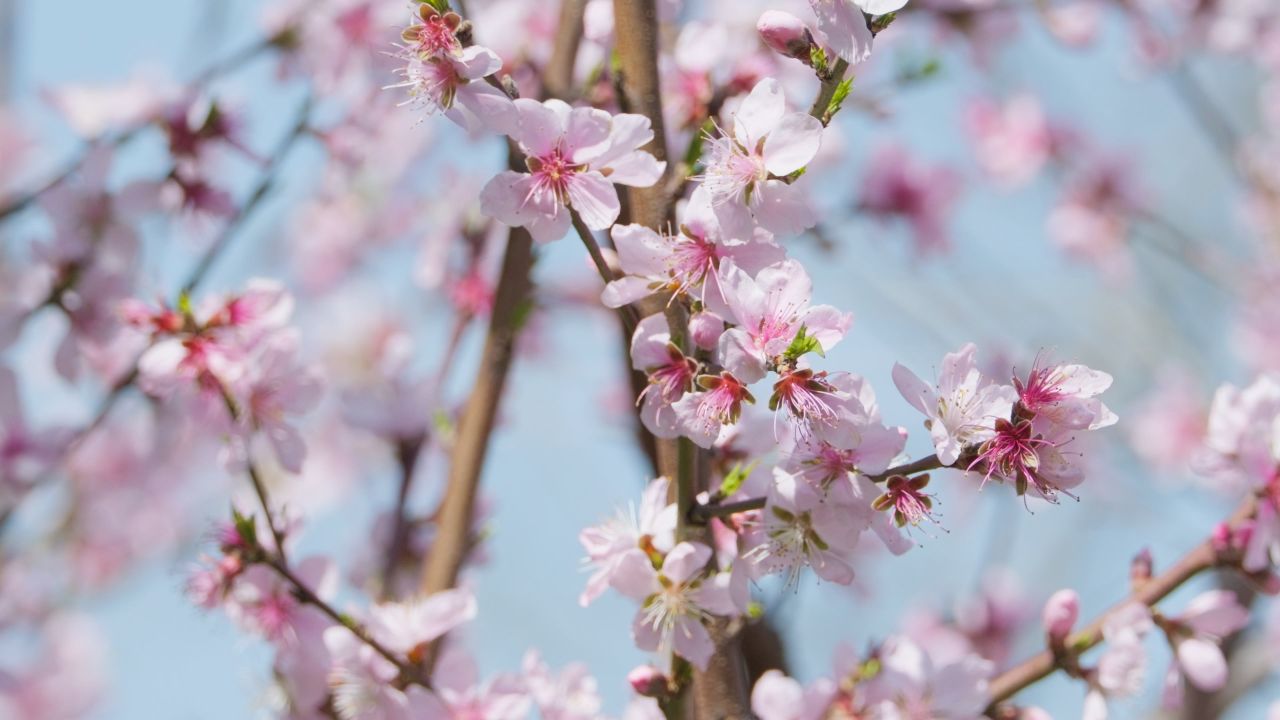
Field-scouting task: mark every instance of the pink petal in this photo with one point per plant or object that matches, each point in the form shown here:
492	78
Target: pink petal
759	113
1203	664
595	199
792	144
685	560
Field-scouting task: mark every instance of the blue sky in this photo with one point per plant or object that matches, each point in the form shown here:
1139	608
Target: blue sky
555	467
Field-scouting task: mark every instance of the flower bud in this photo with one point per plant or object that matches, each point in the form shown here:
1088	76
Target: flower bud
1220	538
785	34
1060	614
1141	567
705	329
648	681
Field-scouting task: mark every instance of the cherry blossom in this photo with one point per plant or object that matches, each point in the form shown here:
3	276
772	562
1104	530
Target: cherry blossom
574	156
748	175
770	310
650	529
677	598
963	407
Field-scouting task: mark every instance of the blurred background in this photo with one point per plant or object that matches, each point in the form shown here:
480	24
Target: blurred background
1137	244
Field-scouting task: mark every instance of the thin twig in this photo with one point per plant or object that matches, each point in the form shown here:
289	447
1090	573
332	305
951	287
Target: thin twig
1040	666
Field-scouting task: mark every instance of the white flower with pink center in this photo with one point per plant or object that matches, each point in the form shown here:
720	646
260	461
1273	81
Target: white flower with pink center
651	528
770	309
749	170
798	530
686	262
677	599
963	407
670	374
914	684
454	86
574	156
843	25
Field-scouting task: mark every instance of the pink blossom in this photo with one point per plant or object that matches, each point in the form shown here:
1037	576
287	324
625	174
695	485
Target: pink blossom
405	627
670	374
912	684
649	681
1242	445
799	530
453	85
770	310
570	694
856	442
24	452
702	415
684	263
275	387
962	409
747	165
66	680
677	598
1060	614
362	683
785	34
1091	222
1065	395
651	529
845	28
898	186
1013	140
778	697
1169	424
458	691
906	497
574	156
1196	635
1123	665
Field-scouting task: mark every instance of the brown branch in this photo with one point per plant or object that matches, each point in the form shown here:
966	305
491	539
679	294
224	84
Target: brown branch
453	530
636	45
1040	666
215	71
557	77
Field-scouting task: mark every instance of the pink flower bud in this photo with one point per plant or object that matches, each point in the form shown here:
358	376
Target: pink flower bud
705	329
785	34
1221	538
1060	614
1141	566
648	681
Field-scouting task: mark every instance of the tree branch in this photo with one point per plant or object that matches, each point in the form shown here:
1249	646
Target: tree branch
1040	666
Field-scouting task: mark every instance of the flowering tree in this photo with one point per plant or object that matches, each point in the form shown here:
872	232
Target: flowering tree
708	158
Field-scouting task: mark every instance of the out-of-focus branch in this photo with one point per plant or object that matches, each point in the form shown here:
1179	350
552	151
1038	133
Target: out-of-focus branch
636	44
471	442
557	79
1044	664
230	230
213	72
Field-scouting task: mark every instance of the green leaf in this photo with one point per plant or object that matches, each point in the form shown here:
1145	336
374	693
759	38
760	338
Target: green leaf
818	59
733	480
441	6
246	528
802	344
838	98
184	303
